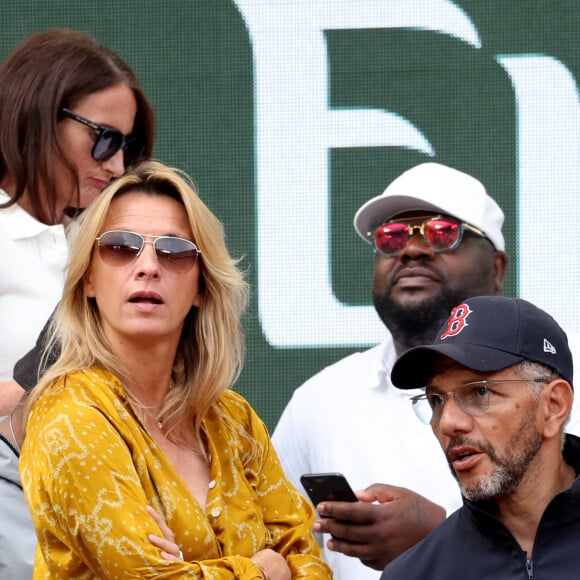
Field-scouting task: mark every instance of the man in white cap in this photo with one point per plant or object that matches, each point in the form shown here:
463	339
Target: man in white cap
497	382
437	236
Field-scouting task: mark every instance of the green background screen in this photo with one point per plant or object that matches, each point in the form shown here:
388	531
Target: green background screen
290	114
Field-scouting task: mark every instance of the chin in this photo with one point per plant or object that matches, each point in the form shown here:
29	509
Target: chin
89	195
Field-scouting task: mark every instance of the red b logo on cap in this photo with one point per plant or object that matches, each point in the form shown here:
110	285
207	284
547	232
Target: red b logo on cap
457	321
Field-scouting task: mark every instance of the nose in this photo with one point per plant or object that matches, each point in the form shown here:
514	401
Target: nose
416	248
147	263
115	165
451	419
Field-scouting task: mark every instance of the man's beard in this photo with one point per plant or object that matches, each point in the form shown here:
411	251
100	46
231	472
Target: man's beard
416	323
509	468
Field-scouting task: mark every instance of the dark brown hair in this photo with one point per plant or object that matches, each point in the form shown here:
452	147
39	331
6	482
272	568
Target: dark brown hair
49	70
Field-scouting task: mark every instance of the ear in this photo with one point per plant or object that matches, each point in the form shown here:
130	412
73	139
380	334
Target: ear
197	299
556	403
500	265
88	284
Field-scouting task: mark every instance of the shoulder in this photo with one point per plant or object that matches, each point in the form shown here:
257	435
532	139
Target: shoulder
357	366
333	388
235	429
17	223
233	409
234	404
80	396
81	420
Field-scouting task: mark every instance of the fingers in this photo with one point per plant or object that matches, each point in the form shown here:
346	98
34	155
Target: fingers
165	530
347	531
378	532
360	551
358	512
169	549
363	541
380	492
350	547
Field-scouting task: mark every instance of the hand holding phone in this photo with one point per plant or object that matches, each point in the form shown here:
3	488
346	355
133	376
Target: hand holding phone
327	487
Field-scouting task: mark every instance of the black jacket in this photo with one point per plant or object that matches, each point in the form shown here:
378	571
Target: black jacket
473	545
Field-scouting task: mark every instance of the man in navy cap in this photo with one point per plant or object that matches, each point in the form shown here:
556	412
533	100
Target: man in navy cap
498	393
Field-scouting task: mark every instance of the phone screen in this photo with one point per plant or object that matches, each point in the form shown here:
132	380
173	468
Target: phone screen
327	487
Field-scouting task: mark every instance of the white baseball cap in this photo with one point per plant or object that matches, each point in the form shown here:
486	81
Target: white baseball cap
434	187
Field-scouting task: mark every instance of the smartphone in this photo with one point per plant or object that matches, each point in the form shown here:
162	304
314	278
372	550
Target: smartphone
327	487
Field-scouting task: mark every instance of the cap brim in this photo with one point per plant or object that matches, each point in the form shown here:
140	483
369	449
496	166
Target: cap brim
415	367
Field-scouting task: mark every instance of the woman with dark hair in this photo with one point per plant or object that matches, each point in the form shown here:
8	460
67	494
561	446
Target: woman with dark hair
72	118
137	411
42	81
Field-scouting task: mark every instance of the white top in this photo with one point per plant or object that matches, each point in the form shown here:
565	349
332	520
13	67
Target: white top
33	257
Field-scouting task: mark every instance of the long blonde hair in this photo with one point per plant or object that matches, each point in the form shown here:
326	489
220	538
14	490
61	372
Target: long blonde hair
210	353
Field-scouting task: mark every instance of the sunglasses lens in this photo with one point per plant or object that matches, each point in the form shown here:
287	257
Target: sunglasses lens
119	247
107	144
133	150
390	239
176	253
442	234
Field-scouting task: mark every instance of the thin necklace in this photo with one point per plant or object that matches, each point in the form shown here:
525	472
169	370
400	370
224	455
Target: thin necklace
137	404
157	420
12	431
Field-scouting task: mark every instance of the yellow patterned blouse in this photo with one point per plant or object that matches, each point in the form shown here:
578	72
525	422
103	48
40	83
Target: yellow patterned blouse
89	469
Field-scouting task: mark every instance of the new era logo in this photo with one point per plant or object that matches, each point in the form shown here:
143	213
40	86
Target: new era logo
549	347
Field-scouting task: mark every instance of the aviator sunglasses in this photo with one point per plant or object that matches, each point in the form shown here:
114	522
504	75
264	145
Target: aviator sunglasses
108	141
120	247
443	234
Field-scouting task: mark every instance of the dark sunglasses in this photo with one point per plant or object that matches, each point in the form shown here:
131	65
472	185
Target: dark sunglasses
120	247
108	141
443	234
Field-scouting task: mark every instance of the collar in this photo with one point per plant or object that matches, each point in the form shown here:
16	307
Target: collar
571	453
19	224
379	375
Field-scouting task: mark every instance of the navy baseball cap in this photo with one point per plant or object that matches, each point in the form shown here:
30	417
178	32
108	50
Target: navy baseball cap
487	334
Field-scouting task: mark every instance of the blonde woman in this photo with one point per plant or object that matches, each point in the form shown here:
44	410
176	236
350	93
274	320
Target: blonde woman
138	411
